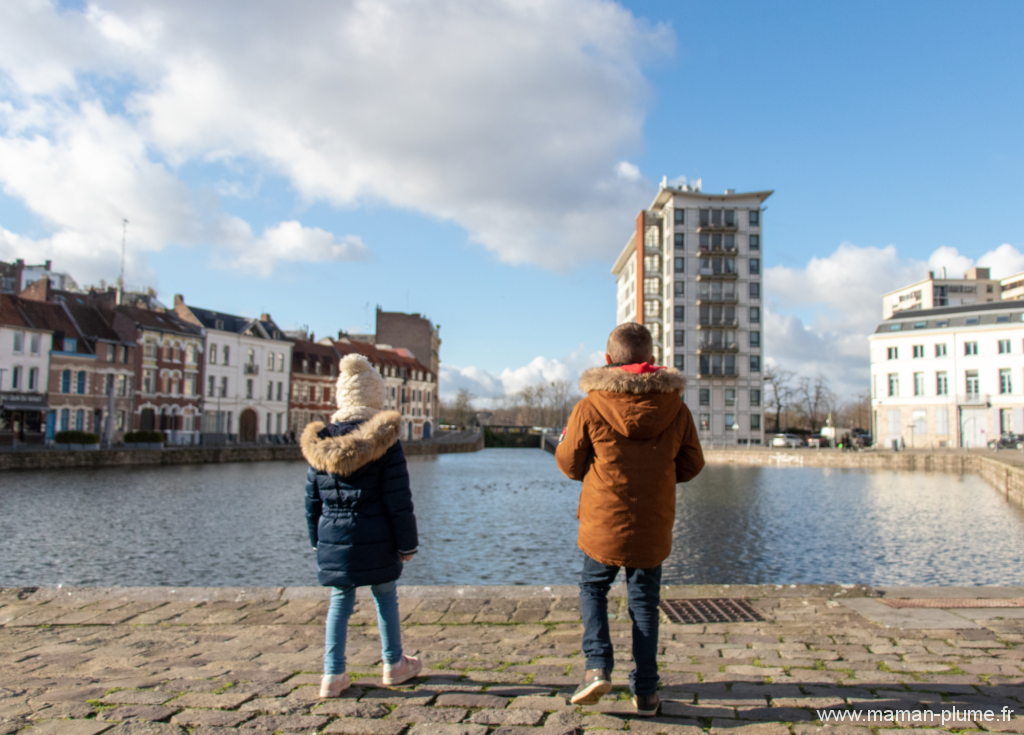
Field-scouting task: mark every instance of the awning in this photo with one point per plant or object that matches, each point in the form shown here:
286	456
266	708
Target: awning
16	405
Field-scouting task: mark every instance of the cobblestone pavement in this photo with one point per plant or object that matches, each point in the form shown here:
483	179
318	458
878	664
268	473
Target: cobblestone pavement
497	660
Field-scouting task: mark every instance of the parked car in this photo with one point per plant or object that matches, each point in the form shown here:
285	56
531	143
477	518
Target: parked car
1007	441
817	440
787	440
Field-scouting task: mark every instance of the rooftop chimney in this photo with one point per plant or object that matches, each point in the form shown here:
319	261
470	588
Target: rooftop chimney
265	317
730	191
931	275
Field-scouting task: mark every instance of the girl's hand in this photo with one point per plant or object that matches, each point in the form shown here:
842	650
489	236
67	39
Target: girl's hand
406	557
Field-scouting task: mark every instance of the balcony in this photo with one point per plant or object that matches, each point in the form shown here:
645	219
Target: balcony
718	251
719	227
706	348
718	373
717	323
250	369
712	276
732	299
973	399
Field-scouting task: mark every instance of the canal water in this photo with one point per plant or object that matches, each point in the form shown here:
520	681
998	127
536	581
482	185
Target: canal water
506	516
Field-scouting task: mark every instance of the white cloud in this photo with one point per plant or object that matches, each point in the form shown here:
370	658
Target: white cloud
818	318
486	386
511	119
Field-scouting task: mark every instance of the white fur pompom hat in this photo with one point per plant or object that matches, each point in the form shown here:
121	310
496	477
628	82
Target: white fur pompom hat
361	390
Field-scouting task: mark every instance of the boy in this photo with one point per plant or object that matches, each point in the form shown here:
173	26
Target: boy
630	441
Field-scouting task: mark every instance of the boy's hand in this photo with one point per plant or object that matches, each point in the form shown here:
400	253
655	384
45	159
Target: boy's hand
406	557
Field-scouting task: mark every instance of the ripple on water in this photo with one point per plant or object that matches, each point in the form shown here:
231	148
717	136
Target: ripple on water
506	516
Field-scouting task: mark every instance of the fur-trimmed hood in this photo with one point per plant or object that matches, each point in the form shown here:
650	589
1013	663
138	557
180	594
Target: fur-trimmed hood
343	455
637	405
615	380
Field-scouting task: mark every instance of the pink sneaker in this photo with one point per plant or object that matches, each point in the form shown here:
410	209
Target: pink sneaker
332	685
404	670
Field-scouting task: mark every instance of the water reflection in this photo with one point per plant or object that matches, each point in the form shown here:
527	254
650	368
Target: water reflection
506	517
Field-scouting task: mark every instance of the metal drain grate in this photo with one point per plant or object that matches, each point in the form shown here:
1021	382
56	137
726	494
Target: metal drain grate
707	610
953	604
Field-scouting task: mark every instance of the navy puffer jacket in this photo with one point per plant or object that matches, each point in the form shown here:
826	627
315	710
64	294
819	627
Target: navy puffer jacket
358	503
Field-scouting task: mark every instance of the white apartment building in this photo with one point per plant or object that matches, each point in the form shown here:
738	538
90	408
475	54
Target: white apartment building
247	366
976	287
948	377
691	273
24	376
1012	287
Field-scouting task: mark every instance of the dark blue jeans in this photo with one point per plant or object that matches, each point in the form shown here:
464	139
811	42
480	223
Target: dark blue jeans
644	591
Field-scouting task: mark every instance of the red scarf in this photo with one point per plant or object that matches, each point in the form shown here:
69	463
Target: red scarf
640	368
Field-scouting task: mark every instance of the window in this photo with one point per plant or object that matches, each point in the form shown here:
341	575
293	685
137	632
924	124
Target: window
920	421
270	366
19	342
918	350
80	420
327	394
940	350
223	387
680	265
730	217
1005	386
680	314
730	421
280	390
652	263
81	382
755	339
251	357
1004	347
148	382
280	362
892	353
270	391
65	381
64	416
894	384
755	397
680	288
705	397
111	353
679	362
213	354
941	384
755	422
970	348
730	396
755	266
70	345
972	383
680	240
149	350
652	309
918	384
227	355
755	363
248	388
652	287
755	217
705	217
33	378
211	386
16	377
755	290
755	242
680	216
705	422
755	315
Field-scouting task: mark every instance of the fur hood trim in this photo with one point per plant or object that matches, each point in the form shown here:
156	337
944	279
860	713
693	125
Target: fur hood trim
615	380
343	455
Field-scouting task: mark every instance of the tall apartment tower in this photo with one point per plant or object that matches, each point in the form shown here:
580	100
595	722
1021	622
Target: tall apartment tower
691	273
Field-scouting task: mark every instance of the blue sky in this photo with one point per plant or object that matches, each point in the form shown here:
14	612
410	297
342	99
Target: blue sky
317	163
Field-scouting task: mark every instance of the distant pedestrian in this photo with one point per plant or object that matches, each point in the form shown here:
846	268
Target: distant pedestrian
630	441
360	515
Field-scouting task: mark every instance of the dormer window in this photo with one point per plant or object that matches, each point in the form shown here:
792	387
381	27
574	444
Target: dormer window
219	324
70	344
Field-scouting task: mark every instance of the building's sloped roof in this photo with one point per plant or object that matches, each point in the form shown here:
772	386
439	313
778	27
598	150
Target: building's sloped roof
379	356
229	322
46	315
89	319
944	317
307	349
166	321
10	314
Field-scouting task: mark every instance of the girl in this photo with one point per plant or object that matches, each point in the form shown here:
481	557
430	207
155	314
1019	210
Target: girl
360	516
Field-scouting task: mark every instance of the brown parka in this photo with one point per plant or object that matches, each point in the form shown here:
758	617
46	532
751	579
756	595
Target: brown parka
630	441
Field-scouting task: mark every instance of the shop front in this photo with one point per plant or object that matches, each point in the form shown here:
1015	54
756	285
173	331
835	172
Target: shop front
22	418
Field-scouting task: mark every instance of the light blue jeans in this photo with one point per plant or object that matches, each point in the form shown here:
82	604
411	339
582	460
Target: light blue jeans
385	597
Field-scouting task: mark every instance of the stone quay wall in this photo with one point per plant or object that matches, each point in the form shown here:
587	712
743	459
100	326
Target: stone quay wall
1005	477
72	459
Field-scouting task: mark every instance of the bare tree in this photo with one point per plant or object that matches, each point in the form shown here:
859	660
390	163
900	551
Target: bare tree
814	398
779	380
459	412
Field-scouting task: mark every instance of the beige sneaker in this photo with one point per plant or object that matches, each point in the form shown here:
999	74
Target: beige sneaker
332	685
404	670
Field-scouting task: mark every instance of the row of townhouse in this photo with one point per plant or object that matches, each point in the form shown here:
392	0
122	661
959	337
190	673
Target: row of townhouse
111	363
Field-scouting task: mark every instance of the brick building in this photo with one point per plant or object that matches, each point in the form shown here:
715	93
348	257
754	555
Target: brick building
168	371
411	332
314	374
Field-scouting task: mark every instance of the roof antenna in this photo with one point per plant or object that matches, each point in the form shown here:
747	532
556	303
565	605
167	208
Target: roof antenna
120	280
